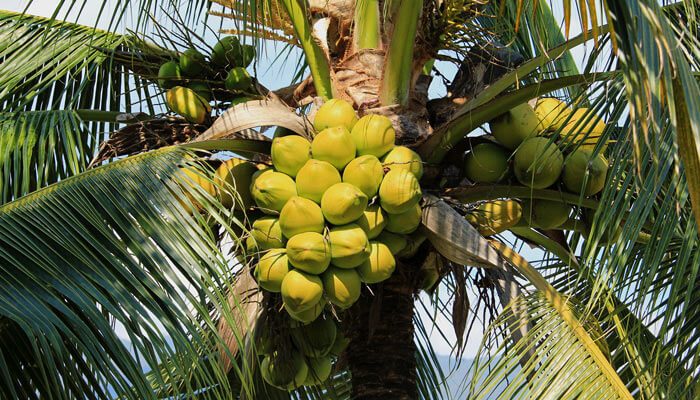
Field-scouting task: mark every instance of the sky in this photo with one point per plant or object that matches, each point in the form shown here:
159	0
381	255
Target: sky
274	78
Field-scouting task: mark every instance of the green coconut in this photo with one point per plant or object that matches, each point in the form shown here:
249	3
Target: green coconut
192	63
552	113
290	153
343	203
545	214
342	286
319	370
396	243
428	276
373	135
227	52
380	264
365	172
349	245
399	191
187	103
406	222
487	162
314	178
234	177
169	75
413	243
301	291
584	172
310	252
515	125
334	145
266	234
301	215
401	157
372	221
340	344
538	163
284	370
272	190
335	112
316	338
496	216
202	89
238	79
271	269
282	131
248	55
308	316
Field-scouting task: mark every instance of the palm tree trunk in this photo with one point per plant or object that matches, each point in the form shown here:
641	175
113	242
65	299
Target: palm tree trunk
381	355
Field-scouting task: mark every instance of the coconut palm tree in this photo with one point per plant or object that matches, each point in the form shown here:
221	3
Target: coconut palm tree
113	287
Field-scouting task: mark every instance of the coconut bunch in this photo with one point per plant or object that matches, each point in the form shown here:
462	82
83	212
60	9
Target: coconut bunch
191	79
527	150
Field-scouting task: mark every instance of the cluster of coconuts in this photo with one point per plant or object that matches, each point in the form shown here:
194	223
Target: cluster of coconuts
539	160
190	80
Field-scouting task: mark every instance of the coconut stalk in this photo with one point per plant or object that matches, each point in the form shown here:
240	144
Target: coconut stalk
366	35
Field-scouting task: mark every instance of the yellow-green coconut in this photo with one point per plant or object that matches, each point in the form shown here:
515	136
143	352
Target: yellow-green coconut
372	221
365	172
584	172
334	145
401	157
315	177
399	191
538	163
195	179
584	129
301	215
301	291
380	264
271	270
343	203
187	103
266	233
316	338
272	190
342	286
496	216
406	222
335	112
487	162
319	370
290	153
373	135
309	252
349	245
308	316
395	242
284	370
413	243
545	214
235	176
552	113
515	125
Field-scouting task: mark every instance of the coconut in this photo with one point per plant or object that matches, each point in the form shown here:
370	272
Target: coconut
334	145
234	176
192	62
335	112
272	190
515	125
394	242
227	52
238	79
290	153
413	243
340	344
301	291
582	166
266	233
310	252
401	157
193	178
349	245
316	338
372	221
202	89
169	75
399	191
187	103
342	286
308	316
406	222
284	370
248	55
538	163
496	216
365	172
314	178
380	264
373	135
545	214
343	203
487	162
552	113
271	269
583	129
319	370
301	215
428	276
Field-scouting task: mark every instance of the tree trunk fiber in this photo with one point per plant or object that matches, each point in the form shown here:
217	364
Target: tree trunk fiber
382	354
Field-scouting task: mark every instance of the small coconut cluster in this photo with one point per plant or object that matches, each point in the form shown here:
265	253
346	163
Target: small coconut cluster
192	81
541	158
